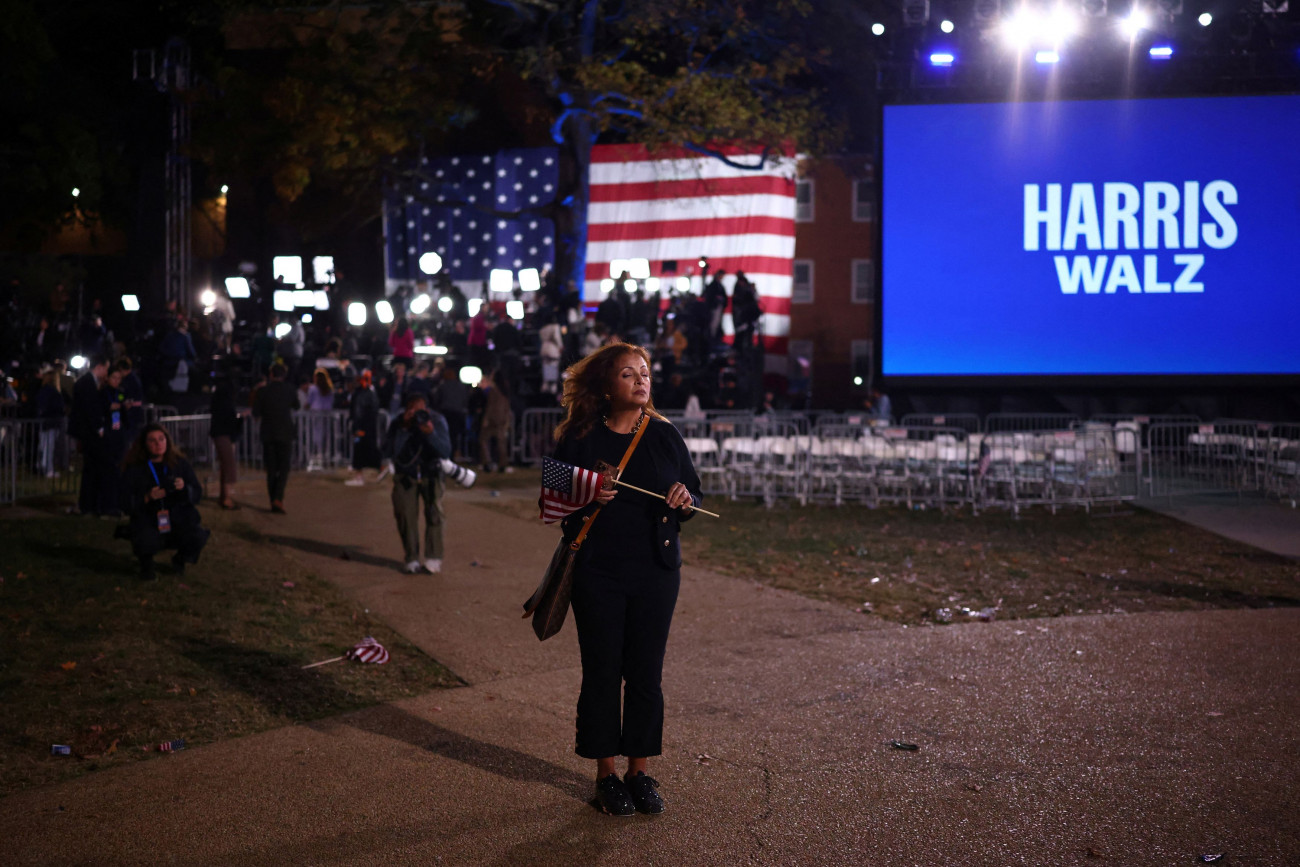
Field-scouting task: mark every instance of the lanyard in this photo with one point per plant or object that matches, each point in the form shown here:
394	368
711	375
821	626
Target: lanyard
155	473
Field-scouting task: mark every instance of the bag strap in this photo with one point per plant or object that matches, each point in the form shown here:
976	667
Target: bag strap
627	455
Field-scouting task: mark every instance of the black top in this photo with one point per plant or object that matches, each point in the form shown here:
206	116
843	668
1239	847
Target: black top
138	480
274	405
225	418
635	530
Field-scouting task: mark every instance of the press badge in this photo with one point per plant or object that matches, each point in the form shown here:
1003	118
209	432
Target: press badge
117	421
164	521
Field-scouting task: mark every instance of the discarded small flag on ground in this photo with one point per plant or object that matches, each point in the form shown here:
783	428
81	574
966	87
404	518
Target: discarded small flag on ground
368	650
565	489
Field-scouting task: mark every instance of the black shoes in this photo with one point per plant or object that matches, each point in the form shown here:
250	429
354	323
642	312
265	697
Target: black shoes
179	563
644	795
613	797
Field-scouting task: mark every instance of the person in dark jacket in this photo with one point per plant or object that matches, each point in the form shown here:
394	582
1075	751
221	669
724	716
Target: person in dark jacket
274	404
133	388
627	572
416	443
50	411
84	426
111	443
364	415
225	430
160	494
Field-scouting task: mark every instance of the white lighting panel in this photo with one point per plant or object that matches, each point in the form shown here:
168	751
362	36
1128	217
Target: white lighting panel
288	269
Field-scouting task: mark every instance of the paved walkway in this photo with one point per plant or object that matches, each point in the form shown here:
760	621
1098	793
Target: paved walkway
1138	739
1265	524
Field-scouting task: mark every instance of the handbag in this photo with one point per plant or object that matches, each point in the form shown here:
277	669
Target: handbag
549	604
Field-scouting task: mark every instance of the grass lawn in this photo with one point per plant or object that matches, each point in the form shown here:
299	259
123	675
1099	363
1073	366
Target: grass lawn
111	666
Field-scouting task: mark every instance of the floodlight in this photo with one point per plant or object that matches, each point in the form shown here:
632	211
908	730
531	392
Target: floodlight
857	380
945	25
471	375
941	58
1161	52
1021	28
430	263
304	298
607	285
530	280
322	269
683	284
1059	26
878	29
421	303
1047	57
1134	24
282	300
501	280
1205	19
430	349
282	329
287	269
475	305
306	319
515	309
75	192
130	303
617	267
638	269
652	284
207	297
357	314
237	287
77	362
384	312
224	189
445	304
629	286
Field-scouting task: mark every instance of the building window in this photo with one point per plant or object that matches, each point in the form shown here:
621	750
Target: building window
802	291
864	281
803	201
864	200
860	359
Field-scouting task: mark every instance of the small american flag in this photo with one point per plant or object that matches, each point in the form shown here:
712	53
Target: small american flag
565	489
368	650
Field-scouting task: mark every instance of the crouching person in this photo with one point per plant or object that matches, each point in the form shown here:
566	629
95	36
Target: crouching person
160	493
416	445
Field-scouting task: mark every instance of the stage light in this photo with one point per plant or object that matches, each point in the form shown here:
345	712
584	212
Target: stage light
857	380
629	286
1047	57
1059	26
878	29
652	284
471	375
75	192
445	304
304	298
617	267
282	300
530	280
607	285
430	349
941	58
638	269
515	309
421	303
475	305
1161	52
207	297
287	269
282	329
1205	19
1135	23
306	319
77	362
501	280
357	314
224	189
237	287
683	284
945	25
1020	28
384	312
431	263
322	269
130	303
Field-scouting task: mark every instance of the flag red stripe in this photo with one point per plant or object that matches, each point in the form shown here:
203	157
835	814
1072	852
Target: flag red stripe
624	153
775	265
694	188
690	229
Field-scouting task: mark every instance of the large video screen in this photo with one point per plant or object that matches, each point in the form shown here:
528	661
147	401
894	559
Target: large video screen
1130	237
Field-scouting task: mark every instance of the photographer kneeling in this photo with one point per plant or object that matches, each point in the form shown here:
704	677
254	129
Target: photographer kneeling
417	445
159	494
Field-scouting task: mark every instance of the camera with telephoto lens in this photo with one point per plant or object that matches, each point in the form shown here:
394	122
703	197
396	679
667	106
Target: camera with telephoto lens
463	476
421	418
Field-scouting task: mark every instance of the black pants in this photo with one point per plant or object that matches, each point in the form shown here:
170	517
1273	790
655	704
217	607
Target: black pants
187	541
276	458
623	622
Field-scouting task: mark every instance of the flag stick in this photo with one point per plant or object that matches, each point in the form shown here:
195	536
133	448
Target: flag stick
325	662
665	499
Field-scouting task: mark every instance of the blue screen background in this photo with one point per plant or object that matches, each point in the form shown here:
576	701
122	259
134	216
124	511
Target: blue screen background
961	296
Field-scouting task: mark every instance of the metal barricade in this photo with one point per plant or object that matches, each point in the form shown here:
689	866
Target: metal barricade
1212	458
155	411
535	433
37	458
190	434
1019	422
1282	466
966	421
323	440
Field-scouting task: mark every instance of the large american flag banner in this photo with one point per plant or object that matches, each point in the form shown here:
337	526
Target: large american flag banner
565	489
674	205
450	212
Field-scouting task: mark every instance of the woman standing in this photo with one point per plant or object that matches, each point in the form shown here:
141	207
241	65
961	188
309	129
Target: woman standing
319	399
401	340
628	569
49	409
160	492
225	430
364	412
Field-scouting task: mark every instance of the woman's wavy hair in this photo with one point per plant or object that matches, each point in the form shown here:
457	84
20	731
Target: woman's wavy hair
321	379
139	452
585	385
